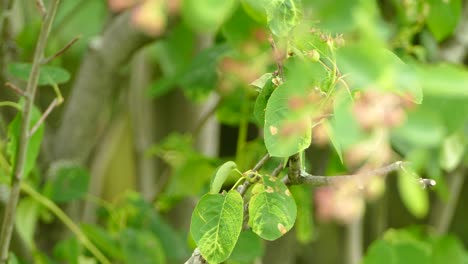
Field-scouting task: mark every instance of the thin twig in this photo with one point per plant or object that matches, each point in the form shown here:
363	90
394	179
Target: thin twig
18	170
243	188
62	50
47	112
15	88
316	180
277	170
41	7
278	56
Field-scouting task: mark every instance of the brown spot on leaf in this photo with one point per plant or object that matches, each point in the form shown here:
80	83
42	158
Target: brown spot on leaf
287	192
269	189
282	229
273	130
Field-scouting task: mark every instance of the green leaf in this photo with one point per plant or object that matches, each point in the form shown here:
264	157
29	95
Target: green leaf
345	129
141	215
12	259
141	247
423	128
216	225
249	247
256	9
414	197
34	141
262	80
448	248
49	75
68	250
236	107
412	252
196	170
443	17
444	80
240	29
199	77
103	240
452	152
388	73
68	182
161	87
26	219
288	112
175	51
262	100
207	15
221	174
337	17
304	223
272	209
380	252
283	15
333	139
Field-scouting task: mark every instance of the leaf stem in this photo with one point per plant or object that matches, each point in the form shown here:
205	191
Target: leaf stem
18	169
75	229
11	104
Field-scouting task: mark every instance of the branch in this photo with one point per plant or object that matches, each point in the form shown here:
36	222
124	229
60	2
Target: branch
41	7
18	170
15	88
315	180
62	50
243	188
94	84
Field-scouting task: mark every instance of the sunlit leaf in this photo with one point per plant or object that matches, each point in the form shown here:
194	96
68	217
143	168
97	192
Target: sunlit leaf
262	80
443	17
290	108
414	197
216	225
283	15
221	174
